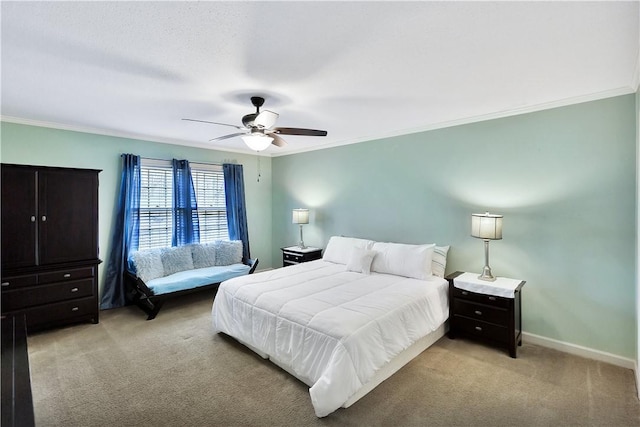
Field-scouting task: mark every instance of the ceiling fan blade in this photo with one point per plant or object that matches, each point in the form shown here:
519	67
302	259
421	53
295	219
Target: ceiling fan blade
231	135
214	123
277	141
266	119
298	131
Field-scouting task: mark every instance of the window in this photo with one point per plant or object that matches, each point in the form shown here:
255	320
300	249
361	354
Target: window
156	205
156	190
208	181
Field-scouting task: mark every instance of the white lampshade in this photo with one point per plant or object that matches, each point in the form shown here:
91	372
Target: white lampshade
486	226
257	142
301	216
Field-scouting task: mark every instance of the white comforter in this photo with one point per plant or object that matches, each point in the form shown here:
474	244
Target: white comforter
331	328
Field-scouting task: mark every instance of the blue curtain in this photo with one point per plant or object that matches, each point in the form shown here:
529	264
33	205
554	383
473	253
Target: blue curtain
186	228
125	234
236	207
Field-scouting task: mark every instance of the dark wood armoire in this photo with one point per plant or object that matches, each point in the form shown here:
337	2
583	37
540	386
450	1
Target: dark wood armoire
49	238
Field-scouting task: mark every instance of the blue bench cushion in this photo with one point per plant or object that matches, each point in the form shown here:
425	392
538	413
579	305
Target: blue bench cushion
191	279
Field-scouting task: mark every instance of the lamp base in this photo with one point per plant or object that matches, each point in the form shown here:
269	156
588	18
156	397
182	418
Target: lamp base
486	274
301	244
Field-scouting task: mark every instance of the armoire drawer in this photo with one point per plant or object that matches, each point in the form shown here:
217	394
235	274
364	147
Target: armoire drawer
65	275
13	282
44	316
44	294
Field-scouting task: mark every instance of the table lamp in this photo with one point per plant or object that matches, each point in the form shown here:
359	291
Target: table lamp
301	216
487	227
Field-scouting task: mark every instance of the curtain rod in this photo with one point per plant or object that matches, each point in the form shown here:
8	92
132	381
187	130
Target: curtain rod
202	163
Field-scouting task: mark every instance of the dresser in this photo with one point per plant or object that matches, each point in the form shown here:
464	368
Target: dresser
295	255
17	400
49	244
486	311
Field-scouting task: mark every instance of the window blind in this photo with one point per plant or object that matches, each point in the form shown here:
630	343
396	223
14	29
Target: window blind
156	192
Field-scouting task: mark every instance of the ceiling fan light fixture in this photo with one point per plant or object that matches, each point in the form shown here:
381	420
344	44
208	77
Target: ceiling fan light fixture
257	142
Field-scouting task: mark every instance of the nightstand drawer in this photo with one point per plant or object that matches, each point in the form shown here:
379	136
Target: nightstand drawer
293	255
482	329
288	256
481	298
482	312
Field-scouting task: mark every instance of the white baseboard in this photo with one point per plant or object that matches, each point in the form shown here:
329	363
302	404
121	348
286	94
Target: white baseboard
579	350
637	379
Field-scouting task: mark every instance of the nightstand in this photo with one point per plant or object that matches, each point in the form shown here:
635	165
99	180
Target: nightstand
295	255
487	311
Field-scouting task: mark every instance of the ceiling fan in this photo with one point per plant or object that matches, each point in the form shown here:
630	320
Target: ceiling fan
258	131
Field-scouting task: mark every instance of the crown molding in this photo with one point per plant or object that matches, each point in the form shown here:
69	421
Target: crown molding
458	122
119	134
475	119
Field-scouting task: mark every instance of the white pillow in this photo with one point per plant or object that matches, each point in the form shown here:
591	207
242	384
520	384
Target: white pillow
147	264
228	252
339	248
360	260
204	255
439	261
175	259
403	260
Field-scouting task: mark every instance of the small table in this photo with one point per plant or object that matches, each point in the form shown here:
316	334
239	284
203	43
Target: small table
295	255
487	311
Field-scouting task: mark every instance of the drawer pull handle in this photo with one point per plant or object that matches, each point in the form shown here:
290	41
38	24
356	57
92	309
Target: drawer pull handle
465	293
75	309
44	218
478	312
492	298
67	275
33	218
5	283
478	328
74	289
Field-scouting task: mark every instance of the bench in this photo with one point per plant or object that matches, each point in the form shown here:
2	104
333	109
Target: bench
155	275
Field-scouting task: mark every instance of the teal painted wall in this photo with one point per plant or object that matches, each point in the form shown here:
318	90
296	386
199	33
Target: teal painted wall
51	147
564	179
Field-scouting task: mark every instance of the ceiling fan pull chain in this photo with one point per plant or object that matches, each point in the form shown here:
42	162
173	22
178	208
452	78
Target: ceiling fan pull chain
258	168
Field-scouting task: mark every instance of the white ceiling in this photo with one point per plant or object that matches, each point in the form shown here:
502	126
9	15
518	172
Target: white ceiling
360	70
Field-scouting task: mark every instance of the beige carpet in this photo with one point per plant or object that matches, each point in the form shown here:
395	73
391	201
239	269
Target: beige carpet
173	371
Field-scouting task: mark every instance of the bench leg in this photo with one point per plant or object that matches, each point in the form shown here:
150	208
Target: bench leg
154	311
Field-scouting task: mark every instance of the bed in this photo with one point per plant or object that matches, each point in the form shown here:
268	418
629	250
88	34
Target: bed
344	323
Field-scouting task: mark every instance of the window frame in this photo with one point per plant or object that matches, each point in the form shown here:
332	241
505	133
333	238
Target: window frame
213	204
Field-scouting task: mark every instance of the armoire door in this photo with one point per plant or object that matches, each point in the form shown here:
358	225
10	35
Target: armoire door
67	215
19	217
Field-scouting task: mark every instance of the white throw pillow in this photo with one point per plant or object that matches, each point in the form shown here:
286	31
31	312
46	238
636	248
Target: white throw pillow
147	264
360	260
228	252
439	261
204	255
176	259
403	260
339	248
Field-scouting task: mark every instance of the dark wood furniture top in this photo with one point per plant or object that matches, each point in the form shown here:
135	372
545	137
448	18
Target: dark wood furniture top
49	244
486	317
17	401
295	255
